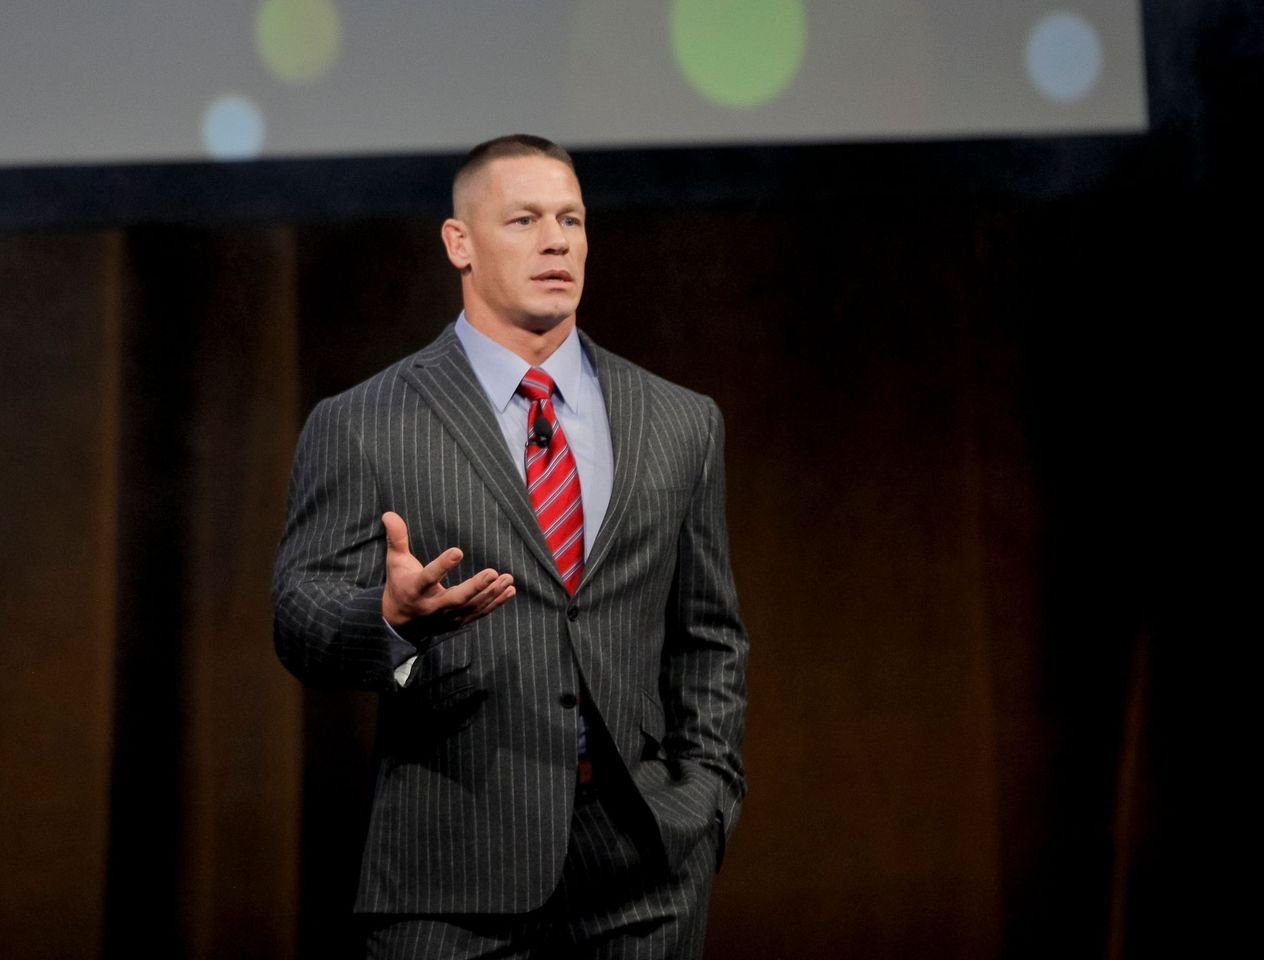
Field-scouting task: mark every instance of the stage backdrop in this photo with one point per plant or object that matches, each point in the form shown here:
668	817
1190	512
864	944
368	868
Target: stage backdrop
970	433
944	556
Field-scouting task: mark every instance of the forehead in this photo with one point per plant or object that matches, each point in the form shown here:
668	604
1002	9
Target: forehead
531	179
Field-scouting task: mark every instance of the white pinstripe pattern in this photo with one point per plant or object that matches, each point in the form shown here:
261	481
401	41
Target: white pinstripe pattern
474	797
612	904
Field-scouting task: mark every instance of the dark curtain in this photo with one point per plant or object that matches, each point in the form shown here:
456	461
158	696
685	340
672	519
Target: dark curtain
152	752
943	467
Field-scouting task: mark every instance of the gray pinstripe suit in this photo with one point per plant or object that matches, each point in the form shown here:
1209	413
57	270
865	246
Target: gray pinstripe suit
476	784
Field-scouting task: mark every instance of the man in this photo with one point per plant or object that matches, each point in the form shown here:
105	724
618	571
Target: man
563	680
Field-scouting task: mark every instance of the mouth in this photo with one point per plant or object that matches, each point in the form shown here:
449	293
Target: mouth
554	276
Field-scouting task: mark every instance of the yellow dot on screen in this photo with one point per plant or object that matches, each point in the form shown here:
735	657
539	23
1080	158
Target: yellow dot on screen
738	53
298	40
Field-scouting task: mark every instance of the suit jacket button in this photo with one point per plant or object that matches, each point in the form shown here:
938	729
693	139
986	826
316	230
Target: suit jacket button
568	700
572	614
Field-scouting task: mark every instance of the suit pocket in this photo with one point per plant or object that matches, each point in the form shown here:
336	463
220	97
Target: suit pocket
721	838
441	698
653	728
441	670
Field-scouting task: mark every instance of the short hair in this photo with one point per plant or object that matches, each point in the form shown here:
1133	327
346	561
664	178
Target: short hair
512	145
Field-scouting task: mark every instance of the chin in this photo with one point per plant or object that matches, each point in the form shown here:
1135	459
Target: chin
545	319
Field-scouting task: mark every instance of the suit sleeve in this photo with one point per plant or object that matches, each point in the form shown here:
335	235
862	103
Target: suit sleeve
327	584
706	650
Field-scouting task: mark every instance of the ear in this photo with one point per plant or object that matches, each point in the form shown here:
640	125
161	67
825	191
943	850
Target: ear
456	242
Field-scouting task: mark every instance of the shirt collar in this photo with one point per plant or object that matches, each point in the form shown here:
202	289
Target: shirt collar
500	370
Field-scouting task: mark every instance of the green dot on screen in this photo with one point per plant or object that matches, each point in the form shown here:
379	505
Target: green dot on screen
738	53
298	40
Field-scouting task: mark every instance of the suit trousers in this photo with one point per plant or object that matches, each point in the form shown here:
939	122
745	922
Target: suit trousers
617	899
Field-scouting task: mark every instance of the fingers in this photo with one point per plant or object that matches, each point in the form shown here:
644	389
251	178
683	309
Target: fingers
482	593
490	597
438	568
396	534
465	602
411	576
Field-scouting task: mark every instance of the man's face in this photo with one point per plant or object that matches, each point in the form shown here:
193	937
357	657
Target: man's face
519	238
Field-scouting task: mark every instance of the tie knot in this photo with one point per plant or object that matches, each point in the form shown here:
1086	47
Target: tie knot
536	385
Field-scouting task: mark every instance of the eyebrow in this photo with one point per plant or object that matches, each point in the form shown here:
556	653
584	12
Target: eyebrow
535	207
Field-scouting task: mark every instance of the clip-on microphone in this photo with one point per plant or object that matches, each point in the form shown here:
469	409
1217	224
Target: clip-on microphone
541	431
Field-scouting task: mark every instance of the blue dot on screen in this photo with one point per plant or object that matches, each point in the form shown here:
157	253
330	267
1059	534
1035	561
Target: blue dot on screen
233	128
1064	57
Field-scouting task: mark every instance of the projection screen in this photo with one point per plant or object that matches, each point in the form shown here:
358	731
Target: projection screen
158	80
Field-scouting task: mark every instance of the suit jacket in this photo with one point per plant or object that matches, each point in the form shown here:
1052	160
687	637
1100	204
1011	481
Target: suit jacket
476	777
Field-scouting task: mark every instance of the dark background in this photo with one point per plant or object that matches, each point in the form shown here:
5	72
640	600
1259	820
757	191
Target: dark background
979	399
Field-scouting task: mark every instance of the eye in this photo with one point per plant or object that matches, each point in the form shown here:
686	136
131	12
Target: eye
569	221
523	221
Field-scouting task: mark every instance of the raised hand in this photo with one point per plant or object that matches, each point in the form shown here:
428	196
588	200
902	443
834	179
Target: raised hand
415	596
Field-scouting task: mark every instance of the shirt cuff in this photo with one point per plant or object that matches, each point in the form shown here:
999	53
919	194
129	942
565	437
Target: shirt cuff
402	653
403	672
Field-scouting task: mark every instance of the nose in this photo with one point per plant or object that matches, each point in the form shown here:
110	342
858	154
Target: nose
553	237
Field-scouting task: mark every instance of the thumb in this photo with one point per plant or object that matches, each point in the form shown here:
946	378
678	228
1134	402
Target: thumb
396	534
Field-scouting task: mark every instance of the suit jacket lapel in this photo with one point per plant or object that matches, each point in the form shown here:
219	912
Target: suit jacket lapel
442	375
623	390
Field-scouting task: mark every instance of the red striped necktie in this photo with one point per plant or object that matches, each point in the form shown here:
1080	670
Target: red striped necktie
553	479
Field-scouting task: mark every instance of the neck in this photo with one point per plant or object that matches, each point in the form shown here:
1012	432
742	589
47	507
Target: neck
534	345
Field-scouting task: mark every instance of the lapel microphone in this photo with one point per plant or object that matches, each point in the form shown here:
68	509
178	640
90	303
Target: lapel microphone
541	431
